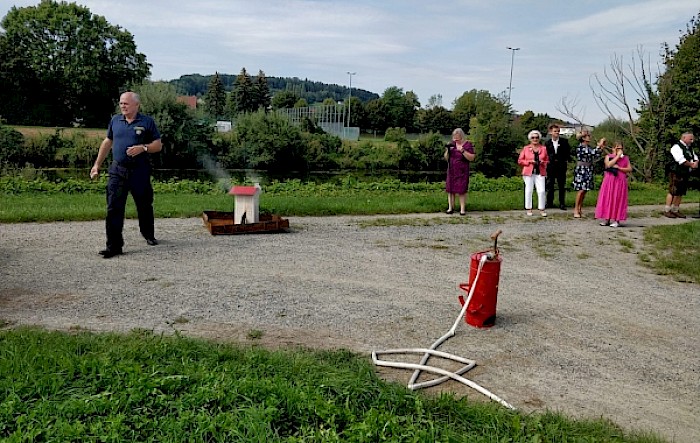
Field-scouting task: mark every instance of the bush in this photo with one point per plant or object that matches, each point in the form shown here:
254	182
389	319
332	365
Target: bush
267	141
395	134
41	150
322	150
432	146
368	156
11	146
78	150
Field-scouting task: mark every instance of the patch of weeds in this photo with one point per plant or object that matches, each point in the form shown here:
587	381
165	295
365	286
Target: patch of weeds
6	323
546	246
644	258
459	220
401	221
255	334
485	220
627	245
142	332
583	255
414	221
76	328
180	320
417	243
166	284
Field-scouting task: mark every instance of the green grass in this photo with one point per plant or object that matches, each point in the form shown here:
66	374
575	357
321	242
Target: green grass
46	207
144	387
674	250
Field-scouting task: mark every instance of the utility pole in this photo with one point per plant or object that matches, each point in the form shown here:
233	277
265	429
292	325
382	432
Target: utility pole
512	58
350	95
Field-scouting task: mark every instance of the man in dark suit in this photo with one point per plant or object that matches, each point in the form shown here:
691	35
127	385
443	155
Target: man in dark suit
559	153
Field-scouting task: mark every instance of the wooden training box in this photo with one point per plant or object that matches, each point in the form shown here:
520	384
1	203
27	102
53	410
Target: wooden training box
222	223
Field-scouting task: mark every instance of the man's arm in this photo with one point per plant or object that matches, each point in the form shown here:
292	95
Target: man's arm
105	147
154	146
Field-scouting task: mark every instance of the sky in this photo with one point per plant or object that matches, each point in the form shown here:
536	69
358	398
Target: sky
429	47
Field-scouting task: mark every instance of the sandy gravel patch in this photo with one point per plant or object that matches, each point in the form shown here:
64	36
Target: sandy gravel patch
582	327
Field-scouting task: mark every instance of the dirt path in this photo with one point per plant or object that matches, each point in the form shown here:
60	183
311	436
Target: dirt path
582	328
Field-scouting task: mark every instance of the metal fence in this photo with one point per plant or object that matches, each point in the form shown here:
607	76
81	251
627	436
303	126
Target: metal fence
330	118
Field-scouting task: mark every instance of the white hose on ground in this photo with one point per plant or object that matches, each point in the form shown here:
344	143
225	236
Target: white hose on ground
427	353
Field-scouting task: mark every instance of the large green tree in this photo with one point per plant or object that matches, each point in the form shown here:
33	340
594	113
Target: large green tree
400	107
495	137
469	104
435	119
215	100
284	99
682	81
657	106
242	99
356	110
376	113
261	92
185	141
61	64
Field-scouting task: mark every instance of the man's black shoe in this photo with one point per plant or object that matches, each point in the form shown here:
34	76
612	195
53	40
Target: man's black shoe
151	241
109	253
562	207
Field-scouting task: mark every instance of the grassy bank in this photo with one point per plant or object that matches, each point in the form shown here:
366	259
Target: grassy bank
40	200
142	387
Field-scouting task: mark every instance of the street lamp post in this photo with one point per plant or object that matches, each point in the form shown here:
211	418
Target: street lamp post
350	95
512	58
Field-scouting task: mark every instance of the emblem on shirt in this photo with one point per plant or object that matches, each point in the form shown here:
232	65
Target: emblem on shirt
139	130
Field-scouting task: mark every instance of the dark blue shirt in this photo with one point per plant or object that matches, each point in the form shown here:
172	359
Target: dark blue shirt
142	130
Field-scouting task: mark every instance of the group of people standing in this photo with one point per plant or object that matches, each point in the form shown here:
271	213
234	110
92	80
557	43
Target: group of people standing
132	136
544	169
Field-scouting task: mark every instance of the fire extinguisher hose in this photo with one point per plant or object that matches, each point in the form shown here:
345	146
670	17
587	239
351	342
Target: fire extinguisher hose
427	353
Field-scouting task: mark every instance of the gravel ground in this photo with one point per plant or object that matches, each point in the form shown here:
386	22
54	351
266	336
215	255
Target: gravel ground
582	327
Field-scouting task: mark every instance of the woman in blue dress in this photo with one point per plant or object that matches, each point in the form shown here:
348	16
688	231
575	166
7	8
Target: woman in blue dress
583	173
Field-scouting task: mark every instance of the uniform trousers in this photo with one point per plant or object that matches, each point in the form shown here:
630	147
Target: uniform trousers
134	179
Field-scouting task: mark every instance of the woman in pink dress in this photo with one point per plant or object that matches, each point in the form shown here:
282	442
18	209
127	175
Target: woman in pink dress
612	198
458	153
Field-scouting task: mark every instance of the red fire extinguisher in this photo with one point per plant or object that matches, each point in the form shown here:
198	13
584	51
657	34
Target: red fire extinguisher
482	288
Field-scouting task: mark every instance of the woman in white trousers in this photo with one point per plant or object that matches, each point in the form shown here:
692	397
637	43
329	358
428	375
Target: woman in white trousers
533	159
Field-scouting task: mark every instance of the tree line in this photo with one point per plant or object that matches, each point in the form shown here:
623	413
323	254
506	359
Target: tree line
311	91
62	66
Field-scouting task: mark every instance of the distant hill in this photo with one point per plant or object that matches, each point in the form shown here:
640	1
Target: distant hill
311	91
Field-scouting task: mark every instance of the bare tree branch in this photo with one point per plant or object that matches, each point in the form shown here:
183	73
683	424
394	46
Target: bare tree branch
628	89
571	108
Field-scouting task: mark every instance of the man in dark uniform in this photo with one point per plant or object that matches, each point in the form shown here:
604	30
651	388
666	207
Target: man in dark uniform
131	136
559	153
684	161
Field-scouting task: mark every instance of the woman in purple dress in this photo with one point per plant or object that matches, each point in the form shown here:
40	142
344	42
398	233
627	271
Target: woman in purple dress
458	153
612	198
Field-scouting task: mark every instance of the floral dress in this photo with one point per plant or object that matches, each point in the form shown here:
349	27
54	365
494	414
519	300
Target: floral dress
583	173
